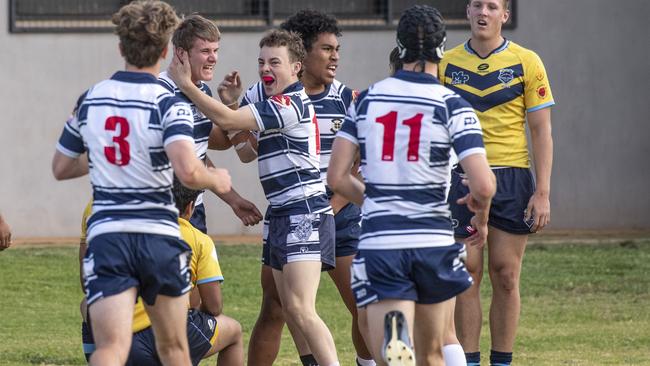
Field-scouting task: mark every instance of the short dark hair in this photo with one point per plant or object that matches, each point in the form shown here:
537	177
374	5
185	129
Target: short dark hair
144	28
192	27
282	38
183	196
309	24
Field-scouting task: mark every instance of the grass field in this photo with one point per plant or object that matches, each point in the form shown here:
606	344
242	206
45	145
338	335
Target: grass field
581	305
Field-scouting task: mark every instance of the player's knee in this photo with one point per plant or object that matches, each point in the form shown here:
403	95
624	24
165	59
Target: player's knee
505	279
171	347
271	311
299	314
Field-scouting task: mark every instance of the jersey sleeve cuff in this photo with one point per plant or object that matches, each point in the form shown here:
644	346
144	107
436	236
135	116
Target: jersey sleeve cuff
472	151
541	106
348	137
210	279
67	152
175	138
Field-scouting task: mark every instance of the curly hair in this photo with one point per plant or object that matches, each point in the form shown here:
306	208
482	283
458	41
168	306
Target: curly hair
309	24
192	27
144	29
282	38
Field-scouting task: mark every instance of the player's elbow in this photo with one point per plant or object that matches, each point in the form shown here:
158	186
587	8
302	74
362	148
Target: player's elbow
188	176
334	180
485	187
59	169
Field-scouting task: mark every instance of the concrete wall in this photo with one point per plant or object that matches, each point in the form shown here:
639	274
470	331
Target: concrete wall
595	51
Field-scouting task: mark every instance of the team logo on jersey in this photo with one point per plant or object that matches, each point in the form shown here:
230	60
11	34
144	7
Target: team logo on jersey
506	76
483	67
281	100
459	77
539	76
541	91
336	125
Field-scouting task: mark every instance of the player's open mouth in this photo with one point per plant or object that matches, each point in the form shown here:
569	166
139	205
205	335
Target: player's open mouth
268	80
208	67
332	69
482	23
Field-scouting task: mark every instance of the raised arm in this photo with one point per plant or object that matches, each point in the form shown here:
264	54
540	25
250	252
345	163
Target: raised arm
220	114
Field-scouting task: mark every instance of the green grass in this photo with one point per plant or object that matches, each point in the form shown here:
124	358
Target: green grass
581	305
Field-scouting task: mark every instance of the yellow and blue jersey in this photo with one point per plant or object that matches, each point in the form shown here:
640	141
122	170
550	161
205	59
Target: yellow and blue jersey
502	87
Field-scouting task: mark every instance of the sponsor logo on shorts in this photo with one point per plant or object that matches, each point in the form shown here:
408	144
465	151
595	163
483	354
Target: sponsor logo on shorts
211	324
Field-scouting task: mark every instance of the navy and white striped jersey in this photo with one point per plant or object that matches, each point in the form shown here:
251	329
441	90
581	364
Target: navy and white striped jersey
288	150
124	123
331	107
202	125
405	127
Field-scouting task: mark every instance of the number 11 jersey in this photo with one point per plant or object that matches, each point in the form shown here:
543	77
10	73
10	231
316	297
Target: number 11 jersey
405	127
124	124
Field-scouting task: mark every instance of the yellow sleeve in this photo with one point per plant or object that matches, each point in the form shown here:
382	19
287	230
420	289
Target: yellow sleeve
84	220
537	92
207	266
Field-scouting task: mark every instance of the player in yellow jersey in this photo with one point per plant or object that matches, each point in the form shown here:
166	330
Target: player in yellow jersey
209	331
507	86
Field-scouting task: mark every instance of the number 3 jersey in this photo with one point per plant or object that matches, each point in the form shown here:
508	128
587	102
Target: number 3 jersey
124	124
405	127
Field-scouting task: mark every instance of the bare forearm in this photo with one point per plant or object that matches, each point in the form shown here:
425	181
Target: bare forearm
542	142
350	188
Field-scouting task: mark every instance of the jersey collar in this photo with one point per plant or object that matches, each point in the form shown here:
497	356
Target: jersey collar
502	47
322	94
293	88
416	77
135	77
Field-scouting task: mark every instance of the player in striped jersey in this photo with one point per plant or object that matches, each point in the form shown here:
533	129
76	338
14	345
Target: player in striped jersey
128	132
200	37
301	227
319	33
408	268
508	87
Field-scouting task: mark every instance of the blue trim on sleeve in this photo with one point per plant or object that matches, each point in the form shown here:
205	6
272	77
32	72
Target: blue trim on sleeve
541	106
210	279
